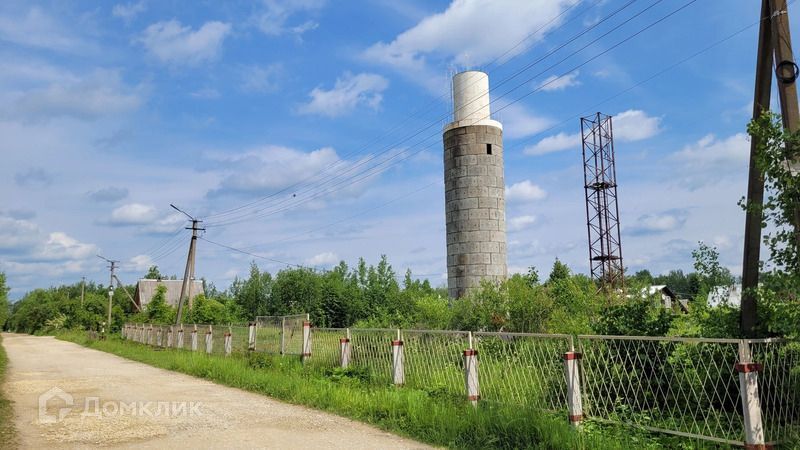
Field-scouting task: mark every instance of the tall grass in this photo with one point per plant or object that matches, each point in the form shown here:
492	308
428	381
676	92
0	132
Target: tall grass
419	414
7	431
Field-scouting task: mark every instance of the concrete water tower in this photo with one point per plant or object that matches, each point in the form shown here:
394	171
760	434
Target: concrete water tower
474	188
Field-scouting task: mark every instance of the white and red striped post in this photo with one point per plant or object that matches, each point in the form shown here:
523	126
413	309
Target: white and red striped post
209	340
572	374
180	337
398	369
122	331
306	340
344	350
751	403
159	337
170	334
194	338
251	336
471	373
228	342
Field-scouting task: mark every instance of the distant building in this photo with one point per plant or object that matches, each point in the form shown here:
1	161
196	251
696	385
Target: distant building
146	289
725	295
668	299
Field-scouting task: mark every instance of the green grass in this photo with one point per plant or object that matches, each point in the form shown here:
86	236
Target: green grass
421	415
7	432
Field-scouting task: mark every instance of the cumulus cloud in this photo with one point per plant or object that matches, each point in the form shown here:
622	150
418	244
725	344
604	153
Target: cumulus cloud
521	223
133	214
98	94
657	223
349	92
108	194
518	122
555	143
23	242
274	17
452	34
269	169
710	155
175	44
524	191
33	177
629	126
37	28
128	11
323	259
140	263
556	83
260	78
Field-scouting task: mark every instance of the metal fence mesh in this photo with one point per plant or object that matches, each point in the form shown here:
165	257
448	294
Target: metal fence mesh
683	386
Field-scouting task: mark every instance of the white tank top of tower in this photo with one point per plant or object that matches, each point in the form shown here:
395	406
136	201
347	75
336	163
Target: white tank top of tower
471	102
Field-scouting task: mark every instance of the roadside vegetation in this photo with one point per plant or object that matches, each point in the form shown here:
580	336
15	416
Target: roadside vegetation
7	432
415	413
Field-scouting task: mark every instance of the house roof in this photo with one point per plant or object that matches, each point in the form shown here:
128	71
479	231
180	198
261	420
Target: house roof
146	289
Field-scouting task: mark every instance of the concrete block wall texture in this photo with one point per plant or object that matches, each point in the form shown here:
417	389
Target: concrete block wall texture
474	206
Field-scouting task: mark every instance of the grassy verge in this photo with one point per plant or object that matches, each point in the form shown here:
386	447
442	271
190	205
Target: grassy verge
7	432
414	413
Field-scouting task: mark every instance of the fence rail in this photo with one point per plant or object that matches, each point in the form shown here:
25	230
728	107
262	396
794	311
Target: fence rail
740	392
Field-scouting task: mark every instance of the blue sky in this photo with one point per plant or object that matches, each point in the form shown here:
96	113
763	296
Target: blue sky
321	121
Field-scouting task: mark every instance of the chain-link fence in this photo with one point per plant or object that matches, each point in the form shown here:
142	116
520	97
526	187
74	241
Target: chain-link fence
722	390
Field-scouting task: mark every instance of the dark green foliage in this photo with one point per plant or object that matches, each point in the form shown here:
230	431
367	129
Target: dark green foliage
636	317
5	307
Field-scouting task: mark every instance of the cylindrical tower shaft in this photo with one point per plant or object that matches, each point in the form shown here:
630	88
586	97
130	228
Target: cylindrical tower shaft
474	188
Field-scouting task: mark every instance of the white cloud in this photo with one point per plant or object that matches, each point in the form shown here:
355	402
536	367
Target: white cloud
140	263
524	191
172	43
98	94
556	83
661	222
323	259
270	168
628	126
108	194
635	125
128	11
724	158
23	243
133	214
36	28
555	143
518	122
17	234
272	19
349	92
470	32
260	79
60	247
521	223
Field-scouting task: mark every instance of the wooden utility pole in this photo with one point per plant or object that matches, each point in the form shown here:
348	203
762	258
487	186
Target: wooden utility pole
774	44
188	274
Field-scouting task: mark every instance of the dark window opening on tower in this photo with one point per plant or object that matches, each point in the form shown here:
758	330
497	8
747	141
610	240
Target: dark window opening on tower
488	149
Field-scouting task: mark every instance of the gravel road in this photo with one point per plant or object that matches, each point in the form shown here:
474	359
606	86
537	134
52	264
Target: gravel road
128	394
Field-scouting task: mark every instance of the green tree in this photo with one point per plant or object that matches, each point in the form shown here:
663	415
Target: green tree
158	311
560	271
4	305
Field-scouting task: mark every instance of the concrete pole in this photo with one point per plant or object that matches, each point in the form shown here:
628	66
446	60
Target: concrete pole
283	333
751	403
170	335
471	373
344	350
194	339
180	337
228	342
209	340
189	271
110	298
83	286
158	337
251	336
306	340
572	374
398	360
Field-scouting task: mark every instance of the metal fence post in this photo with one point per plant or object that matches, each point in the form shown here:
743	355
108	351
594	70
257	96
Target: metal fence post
306	340
471	373
283	334
180	337
573	377
194	338
251	336
209	340
398	371
344	350
751	403
228	342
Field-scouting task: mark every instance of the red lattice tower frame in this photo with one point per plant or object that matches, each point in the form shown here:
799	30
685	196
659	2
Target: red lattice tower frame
602	210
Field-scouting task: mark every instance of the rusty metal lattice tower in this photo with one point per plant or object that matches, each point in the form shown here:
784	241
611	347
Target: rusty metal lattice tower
602	210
